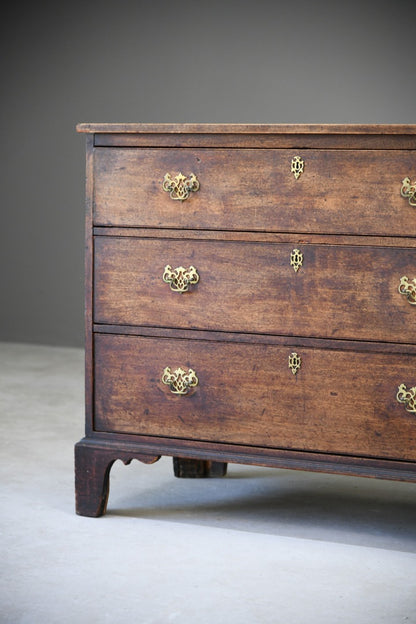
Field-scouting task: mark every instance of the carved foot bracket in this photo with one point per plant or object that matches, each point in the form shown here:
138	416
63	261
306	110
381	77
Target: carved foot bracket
198	468
92	475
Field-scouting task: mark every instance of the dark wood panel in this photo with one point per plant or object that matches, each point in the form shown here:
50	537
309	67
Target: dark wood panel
339	292
338	402
258	141
345	192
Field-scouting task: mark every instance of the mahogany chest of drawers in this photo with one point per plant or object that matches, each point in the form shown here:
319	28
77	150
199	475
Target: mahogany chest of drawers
250	298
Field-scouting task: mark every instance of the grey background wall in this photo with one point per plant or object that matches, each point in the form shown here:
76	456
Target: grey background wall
259	61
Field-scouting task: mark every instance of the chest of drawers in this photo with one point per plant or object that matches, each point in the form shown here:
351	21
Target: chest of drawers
250	298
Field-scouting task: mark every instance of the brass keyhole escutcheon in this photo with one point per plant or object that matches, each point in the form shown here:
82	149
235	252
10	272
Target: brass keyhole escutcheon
296	259
295	362
297	166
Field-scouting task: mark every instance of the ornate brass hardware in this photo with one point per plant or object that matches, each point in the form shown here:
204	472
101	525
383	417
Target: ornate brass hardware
407	397
297	166
180	186
294	362
408	190
408	289
296	259
180	279
180	381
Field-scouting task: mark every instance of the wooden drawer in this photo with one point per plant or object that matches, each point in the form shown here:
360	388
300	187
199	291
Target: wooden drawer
339	191
252	287
338	401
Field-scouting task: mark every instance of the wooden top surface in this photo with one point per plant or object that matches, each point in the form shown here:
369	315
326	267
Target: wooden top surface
197	128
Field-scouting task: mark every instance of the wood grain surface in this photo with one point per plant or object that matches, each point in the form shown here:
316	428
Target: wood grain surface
340	192
338	402
342	292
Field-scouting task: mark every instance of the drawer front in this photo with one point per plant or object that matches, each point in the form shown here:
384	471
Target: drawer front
337	402
341	292
339	191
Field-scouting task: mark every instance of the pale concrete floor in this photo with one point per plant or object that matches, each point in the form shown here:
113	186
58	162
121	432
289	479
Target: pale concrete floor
260	546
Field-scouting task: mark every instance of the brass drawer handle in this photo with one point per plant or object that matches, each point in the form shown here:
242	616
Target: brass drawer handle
407	397
408	190
180	279
180	381
408	289
180	186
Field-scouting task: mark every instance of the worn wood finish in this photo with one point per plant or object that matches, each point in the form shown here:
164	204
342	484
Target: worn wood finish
94	458
242	129
88	263
258	141
341	312
255	190
92	475
233	337
257	288
329	136
294	238
337	402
